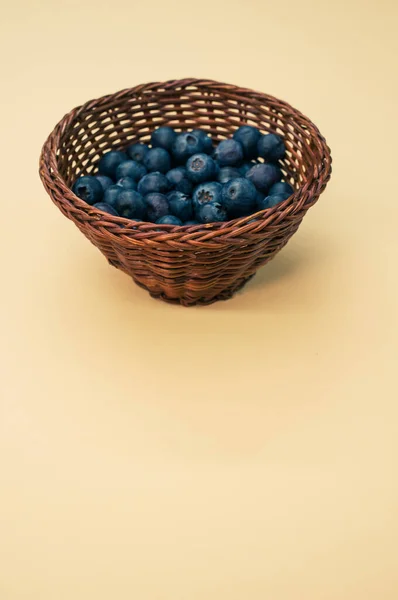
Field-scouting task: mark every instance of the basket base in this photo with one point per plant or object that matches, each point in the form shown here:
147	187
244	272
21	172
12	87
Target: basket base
186	301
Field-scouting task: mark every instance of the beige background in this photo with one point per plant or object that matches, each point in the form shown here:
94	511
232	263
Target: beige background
244	451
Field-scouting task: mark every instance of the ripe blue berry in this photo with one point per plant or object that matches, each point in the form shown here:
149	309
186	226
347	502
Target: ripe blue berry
88	188
229	153
130	168
163	137
110	162
200	168
264	175
211	212
104	181
169	220
271	147
179	181
112	194
185	186
137	152
130	204
157	206
270	201
175	175
227	173
248	137
245	168
106	208
186	145
127	183
259	198
281	188
239	197
180	205
153	182
207	192
205	139
157	159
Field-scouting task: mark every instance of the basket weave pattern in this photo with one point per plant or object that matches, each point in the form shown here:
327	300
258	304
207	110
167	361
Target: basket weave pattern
193	264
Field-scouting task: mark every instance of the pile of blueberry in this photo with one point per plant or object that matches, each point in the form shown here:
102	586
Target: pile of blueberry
182	179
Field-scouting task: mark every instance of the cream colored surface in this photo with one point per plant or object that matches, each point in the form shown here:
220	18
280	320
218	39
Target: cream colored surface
244	451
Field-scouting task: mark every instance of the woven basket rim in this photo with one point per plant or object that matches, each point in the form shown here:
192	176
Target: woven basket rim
48	170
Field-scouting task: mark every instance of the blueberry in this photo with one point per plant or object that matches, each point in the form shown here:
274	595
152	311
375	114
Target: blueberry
163	137
248	137
245	168
130	204
88	188
264	175
153	182
239	197
271	147
205	139
127	183
157	159
106	208
200	168
211	212
137	152
185	186
169	220
259	198
227	173
180	205
186	145
130	168
104	181
192	222
157	206
110	162
229	153
281	188
207	192
175	175
112	194
179	181
270	201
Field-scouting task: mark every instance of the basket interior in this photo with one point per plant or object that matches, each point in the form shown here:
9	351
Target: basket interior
130	117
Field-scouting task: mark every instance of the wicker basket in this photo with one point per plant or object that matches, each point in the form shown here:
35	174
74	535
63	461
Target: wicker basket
191	264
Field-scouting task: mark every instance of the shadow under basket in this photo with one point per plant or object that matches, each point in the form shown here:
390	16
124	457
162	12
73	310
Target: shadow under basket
196	264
